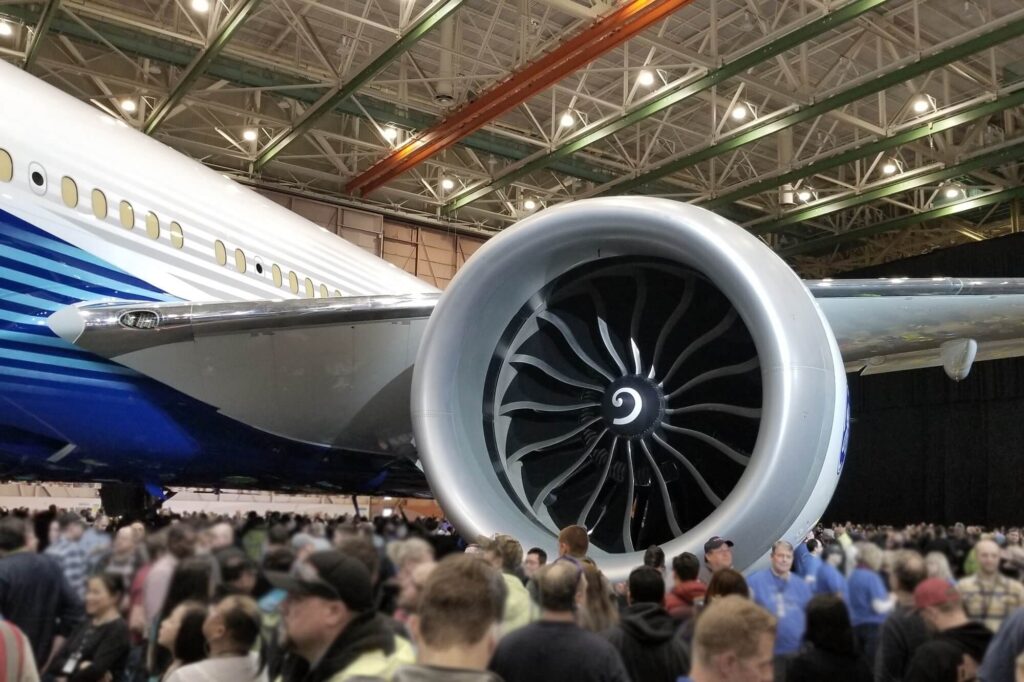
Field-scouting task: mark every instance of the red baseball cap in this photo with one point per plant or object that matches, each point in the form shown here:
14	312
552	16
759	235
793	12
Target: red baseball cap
935	592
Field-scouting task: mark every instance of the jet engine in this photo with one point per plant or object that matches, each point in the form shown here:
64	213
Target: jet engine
638	366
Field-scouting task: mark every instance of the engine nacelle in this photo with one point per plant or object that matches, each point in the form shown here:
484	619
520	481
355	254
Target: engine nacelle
639	366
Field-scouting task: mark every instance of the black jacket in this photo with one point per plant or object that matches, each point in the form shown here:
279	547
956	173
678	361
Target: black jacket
104	647
938	660
647	641
35	596
901	634
814	665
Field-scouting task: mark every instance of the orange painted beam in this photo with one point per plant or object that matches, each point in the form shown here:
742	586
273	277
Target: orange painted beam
602	36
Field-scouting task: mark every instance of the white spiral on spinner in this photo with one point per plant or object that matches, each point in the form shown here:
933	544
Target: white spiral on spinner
638	405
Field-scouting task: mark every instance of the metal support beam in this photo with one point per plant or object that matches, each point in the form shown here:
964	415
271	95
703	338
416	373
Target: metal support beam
868	149
941	56
227	29
431	18
829	243
41	29
986	159
607	33
672	96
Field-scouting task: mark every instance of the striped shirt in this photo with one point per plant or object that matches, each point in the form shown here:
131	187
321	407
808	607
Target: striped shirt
990	600
73	559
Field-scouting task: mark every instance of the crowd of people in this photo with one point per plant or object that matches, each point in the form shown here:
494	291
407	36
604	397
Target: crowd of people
293	598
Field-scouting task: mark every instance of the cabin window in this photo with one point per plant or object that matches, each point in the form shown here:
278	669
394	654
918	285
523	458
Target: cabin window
239	260
6	166
127	215
69	192
324	293
220	252
152	226
293	282
99	204
177	236
337	293
309	288
276	271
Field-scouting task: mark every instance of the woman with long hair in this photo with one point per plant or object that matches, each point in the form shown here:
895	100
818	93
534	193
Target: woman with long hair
98	647
181	633
599	611
830	649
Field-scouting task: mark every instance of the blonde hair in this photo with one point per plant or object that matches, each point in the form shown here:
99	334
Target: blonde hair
599	611
731	624
870	555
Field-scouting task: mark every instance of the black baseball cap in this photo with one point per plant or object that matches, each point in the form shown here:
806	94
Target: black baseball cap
329	575
716	542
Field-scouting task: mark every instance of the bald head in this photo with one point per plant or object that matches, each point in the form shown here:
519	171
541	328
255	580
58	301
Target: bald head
988	558
559	585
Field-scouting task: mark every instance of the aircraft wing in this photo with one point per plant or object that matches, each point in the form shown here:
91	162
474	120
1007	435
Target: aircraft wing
337	371
889	325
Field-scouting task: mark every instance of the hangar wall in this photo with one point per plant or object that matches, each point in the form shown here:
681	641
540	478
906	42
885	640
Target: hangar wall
434	255
923	448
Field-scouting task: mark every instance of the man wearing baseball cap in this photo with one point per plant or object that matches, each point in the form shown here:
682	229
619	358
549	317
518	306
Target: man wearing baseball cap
717	555
331	630
959	645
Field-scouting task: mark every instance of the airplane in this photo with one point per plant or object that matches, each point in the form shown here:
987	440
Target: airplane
640	366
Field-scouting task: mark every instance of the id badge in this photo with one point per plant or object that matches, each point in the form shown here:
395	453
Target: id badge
71	665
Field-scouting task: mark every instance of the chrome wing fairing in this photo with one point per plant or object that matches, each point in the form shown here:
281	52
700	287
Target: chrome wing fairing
119	327
888	325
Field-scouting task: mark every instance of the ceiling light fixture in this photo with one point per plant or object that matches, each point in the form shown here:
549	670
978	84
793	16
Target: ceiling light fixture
5	29
250	135
201	6
128	106
567	120
921	104
447	184
739	112
390	133
890	167
529	204
804	195
646	78
953	191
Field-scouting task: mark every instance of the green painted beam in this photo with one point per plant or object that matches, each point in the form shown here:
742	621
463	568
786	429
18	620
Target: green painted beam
674	96
868	148
330	100
41	29
247	74
938	59
1004	154
812	246
242	11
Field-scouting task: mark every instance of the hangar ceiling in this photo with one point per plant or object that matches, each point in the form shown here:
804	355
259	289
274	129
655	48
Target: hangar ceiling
843	133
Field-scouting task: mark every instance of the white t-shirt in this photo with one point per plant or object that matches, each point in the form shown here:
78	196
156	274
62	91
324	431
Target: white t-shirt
228	669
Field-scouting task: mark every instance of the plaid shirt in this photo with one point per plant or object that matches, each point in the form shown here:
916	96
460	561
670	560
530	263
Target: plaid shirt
73	559
990	601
